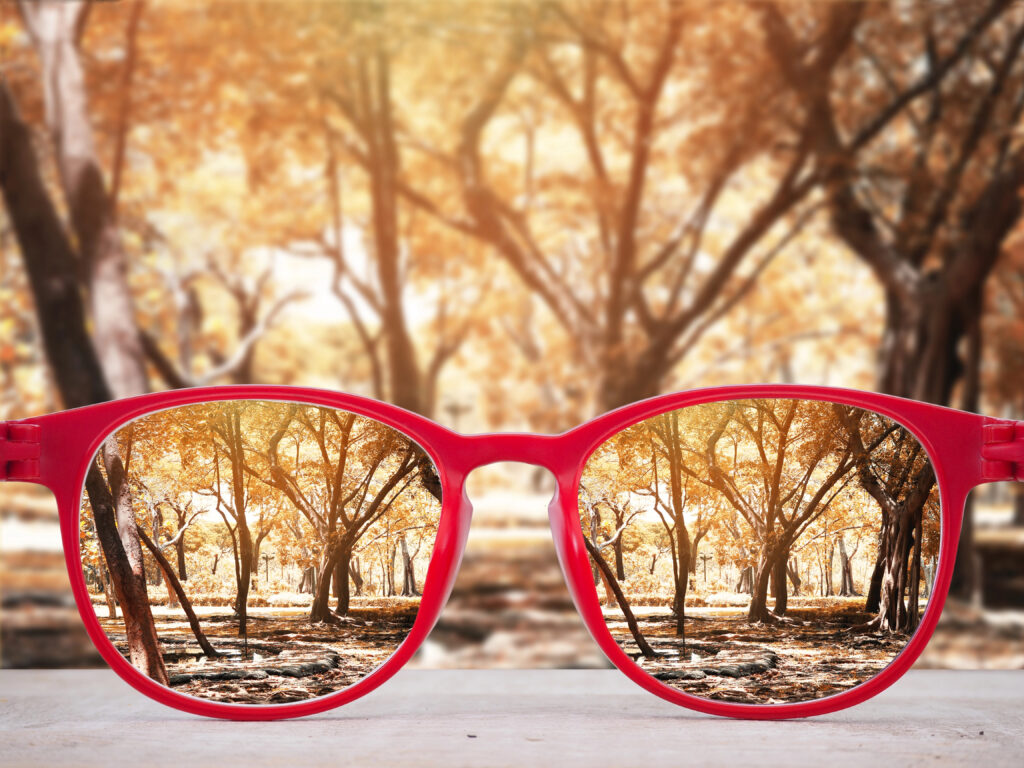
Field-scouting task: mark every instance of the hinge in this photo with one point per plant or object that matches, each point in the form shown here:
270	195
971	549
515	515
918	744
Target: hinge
19	451
1002	451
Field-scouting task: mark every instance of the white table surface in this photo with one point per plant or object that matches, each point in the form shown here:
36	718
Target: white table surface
511	718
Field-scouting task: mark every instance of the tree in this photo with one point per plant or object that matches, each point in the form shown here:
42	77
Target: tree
183	517
667	447
361	215
85	373
846	587
174	587
899	476
792	467
364	468
652	299
599	534
932	224
50	262
230	487
594	550
647	462
56	29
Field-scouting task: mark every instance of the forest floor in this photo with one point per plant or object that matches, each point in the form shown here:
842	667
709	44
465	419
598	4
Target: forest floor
816	651
285	658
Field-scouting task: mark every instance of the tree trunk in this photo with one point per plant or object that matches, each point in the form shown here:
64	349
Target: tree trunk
336	580
244	575
108	592
829	591
620	565
392	552
254	567
50	263
595	531
186	604
779	587
679	603
308	583
124	562
794	577
892	610
634	628
321	608
179	549
409	572
846	588
746	580
874	596
54	31
695	556
609	592
682	581
339	557
344	593
915	577
762	577
374	86
683	555
355	572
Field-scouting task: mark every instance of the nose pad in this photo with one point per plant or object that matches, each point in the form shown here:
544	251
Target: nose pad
563	538
463	520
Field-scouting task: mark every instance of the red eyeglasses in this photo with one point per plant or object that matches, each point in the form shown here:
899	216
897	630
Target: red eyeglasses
236	551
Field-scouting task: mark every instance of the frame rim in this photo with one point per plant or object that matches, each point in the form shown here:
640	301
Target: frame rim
952	439
925	421
438	579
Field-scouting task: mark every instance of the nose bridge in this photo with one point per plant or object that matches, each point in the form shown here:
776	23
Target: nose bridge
548	451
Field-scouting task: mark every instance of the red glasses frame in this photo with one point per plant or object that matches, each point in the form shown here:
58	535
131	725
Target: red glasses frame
966	450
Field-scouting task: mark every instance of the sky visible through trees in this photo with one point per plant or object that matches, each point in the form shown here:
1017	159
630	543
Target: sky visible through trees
284	546
765	550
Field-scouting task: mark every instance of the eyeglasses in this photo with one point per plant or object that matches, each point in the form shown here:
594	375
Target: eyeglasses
263	552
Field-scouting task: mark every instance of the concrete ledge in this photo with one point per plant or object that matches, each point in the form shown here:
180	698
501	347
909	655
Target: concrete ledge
511	718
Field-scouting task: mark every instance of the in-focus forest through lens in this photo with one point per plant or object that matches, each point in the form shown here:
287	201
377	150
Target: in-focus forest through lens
762	551
284	546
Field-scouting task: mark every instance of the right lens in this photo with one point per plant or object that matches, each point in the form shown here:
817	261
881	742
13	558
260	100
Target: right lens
762	551
258	552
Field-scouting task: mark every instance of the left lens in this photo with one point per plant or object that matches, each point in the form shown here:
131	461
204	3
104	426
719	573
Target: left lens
257	552
762	551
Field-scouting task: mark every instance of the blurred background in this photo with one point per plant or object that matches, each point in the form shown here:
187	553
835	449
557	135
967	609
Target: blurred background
511	216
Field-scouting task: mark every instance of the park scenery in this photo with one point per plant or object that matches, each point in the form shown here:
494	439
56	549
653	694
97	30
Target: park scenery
282	547
515	216
762	551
